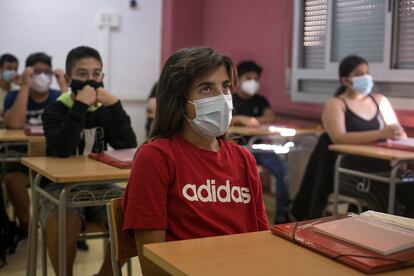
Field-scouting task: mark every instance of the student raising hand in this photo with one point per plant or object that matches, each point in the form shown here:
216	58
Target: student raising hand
27	76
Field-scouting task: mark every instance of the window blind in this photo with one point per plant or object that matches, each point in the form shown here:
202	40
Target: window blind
358	28
405	35
314	30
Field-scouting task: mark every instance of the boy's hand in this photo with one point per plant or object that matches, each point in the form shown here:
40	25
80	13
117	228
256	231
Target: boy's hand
104	97
60	77
87	95
27	76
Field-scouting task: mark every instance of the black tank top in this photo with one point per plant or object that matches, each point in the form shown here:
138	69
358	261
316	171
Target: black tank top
354	122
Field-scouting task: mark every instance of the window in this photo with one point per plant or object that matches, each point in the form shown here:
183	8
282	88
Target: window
326	31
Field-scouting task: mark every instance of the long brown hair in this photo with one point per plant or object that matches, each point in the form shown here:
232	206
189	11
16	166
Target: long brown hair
180	71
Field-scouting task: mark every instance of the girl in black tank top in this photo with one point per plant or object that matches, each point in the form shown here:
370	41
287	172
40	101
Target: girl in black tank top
354	122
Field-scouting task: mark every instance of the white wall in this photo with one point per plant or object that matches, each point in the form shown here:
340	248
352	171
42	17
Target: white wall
56	26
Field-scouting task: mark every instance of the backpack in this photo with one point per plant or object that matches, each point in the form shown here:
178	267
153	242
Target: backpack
8	234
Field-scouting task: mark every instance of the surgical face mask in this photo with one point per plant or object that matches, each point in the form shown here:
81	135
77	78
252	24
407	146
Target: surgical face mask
8	75
250	87
41	82
363	84
213	115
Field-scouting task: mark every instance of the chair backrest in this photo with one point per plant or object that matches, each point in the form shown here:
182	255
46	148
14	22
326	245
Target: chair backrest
36	147
123	245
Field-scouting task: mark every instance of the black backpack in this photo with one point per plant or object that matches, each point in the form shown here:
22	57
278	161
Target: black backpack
8	234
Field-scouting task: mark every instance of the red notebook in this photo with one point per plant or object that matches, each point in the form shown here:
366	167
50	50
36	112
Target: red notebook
118	158
34	130
367	261
403	144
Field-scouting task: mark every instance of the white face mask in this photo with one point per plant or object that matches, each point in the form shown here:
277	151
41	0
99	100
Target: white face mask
213	115
41	82
250	87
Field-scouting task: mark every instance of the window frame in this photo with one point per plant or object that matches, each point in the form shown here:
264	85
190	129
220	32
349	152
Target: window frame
381	71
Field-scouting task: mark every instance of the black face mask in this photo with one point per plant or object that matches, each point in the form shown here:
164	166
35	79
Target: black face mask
77	85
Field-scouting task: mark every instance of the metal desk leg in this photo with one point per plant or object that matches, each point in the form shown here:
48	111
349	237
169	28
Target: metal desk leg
336	183
32	246
392	188
62	232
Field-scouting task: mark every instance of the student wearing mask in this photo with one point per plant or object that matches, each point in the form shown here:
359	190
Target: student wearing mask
8	76
24	107
188	180
252	109
86	119
357	116
354	115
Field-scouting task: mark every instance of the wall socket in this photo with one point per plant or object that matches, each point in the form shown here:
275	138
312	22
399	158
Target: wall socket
109	19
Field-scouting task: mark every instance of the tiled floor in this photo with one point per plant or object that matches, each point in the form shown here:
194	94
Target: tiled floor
86	263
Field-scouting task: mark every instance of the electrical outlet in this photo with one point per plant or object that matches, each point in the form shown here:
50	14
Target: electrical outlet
109	19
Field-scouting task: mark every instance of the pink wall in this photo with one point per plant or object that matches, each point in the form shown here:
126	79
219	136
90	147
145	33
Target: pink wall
182	25
244	29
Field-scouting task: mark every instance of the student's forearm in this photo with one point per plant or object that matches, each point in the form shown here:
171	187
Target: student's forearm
15	117
266	119
358	137
121	134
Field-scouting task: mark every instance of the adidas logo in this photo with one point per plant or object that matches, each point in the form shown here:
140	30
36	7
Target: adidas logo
209	192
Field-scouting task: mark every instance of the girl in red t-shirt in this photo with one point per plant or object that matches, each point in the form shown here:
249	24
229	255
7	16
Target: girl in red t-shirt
188	180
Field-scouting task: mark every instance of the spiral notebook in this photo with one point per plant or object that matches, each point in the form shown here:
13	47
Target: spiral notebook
304	234
382	233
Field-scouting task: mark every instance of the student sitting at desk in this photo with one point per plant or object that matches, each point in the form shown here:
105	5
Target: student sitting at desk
81	121
252	109
25	107
188	180
357	116
8	76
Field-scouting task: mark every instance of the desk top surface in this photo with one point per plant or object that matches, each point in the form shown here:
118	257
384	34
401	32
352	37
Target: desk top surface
16	135
259	253
269	130
74	169
373	151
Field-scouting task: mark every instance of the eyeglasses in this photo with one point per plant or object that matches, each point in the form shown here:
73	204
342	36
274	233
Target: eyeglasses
84	75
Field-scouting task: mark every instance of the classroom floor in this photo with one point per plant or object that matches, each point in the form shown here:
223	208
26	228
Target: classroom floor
86	263
89	262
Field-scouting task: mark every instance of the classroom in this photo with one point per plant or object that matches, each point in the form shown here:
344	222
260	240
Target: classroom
206	137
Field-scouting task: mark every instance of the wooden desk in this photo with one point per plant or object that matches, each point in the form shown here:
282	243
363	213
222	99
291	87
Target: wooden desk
373	152
16	135
74	169
265	130
397	159
72	172
259	253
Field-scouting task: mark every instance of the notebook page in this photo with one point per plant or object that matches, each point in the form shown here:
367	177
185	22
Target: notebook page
381	238
391	219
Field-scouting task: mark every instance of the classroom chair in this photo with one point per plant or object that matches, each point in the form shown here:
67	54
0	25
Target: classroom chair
123	246
37	148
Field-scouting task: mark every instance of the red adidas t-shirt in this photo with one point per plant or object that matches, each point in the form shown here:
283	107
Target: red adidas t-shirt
191	192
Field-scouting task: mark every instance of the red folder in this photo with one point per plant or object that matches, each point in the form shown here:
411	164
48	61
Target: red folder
354	256
118	158
34	131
